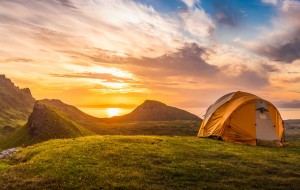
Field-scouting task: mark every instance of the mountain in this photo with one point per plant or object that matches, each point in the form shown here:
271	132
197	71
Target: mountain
53	119
152	118
15	104
152	110
74	114
44	123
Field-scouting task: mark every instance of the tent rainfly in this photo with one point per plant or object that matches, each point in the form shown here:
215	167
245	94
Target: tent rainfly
243	118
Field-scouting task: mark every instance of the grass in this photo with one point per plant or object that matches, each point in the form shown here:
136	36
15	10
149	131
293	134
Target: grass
292	129
150	162
21	137
13	118
169	128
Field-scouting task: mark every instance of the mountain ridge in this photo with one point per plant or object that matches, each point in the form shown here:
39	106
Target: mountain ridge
16	103
45	123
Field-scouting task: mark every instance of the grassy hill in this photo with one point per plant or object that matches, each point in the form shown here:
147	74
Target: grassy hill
70	111
150	162
43	124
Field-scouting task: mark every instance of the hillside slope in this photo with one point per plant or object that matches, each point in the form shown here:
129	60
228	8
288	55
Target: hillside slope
152	110
45	123
15	104
71	111
74	114
150	162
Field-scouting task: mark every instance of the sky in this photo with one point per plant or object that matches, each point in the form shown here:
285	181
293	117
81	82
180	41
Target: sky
118	53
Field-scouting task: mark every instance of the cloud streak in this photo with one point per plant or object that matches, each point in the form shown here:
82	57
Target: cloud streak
291	104
226	14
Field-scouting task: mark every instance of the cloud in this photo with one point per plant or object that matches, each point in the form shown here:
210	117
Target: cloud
53	25
272	2
291	104
251	79
186	61
281	42
286	52
116	105
198	24
226	13
190	3
292	80
67	3
16	59
269	68
187	67
88	75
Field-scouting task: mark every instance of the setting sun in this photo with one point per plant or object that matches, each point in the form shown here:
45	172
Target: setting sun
112	111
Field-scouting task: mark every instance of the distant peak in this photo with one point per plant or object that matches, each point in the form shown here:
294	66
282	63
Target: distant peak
26	90
152	110
3	79
153	102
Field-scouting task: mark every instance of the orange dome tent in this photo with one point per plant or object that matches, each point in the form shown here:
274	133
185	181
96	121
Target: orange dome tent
243	118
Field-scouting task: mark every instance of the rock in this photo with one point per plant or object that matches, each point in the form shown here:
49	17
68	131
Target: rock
7	153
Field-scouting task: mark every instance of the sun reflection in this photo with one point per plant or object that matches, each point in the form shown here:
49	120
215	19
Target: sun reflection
112	111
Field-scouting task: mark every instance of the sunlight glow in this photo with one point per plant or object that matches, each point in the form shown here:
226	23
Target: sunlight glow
112	111
99	69
114	85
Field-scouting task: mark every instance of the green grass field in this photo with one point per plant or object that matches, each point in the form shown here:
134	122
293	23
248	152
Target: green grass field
150	162
292	129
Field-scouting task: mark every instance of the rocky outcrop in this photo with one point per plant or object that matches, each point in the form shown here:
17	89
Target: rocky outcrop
15	104
7	153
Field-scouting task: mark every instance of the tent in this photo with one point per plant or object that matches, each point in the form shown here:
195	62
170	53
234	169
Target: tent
243	118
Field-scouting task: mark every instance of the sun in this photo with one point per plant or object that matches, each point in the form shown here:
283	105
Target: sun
112	111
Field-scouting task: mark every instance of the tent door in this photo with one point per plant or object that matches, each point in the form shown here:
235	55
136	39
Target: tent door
265	129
